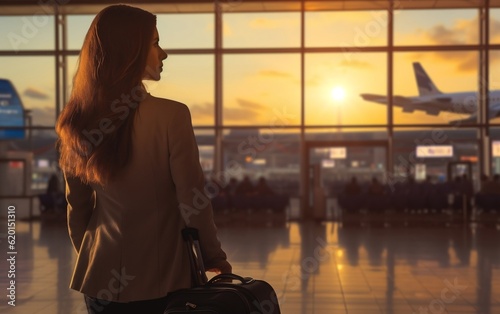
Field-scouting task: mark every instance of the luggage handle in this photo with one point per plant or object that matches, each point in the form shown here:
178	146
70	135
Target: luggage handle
192	240
221	277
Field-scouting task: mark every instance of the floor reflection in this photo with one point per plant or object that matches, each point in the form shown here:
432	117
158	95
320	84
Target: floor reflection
314	267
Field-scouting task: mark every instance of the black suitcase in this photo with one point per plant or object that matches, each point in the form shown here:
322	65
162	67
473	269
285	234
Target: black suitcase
223	294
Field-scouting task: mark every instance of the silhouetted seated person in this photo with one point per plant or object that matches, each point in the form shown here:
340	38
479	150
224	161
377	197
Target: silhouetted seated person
351	199
217	193
53	200
490	186
496	184
376	188
244	194
262	188
265	198
245	187
462	191
352	188
376	200
488	197
230	193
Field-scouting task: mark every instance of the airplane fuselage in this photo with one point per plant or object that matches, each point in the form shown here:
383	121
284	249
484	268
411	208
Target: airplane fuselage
432	101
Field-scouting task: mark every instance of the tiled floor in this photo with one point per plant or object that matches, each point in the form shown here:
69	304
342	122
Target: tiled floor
316	268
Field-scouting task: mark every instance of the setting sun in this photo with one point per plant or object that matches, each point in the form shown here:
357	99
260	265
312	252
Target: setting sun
338	93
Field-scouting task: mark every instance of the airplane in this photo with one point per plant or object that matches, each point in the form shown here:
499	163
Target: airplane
11	112
433	101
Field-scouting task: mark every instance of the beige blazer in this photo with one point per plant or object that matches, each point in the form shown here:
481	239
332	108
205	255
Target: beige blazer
128	233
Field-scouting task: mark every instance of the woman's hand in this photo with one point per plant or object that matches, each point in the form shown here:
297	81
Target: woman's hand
223	268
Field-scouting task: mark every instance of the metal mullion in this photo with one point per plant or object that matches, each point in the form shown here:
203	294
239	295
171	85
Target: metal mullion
218	109
390	90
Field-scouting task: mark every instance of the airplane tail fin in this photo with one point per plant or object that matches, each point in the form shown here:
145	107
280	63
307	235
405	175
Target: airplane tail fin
425	85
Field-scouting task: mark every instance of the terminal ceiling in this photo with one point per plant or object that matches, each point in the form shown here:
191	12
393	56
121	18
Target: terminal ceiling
13	7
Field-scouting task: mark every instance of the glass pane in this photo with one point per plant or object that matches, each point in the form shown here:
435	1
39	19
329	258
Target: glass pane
334	83
30	32
176	30
186	30
338	164
495	151
72	64
206	147
261	89
34	80
346	29
36	160
439	147
436	27
190	80
78	26
258	30
494	26
263	153
46	163
494	86
435	87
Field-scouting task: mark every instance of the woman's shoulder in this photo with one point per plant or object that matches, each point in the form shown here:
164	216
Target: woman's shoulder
166	104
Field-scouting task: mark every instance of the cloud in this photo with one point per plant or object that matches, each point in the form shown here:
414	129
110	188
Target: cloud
442	35
246	111
494	31
314	81
202	111
264	23
462	32
275	74
35	94
250	104
466	61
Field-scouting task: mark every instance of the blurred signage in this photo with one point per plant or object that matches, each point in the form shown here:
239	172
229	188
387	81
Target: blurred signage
495	148
432	151
420	172
338	153
327	163
469	158
260	161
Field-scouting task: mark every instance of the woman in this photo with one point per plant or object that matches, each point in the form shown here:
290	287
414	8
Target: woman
133	178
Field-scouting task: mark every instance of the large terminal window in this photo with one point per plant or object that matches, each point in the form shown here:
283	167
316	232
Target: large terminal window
361	80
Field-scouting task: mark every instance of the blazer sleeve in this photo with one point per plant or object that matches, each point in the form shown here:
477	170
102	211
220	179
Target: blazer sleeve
189	180
81	201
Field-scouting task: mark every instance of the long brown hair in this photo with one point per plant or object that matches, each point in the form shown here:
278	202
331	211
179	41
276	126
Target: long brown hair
96	124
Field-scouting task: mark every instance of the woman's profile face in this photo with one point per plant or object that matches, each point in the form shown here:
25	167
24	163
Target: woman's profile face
156	55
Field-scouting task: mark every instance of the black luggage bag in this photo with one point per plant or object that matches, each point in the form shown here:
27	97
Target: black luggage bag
223	294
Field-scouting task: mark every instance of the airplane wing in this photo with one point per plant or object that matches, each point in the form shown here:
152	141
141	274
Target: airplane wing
492	113
470	119
399	101
409	104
